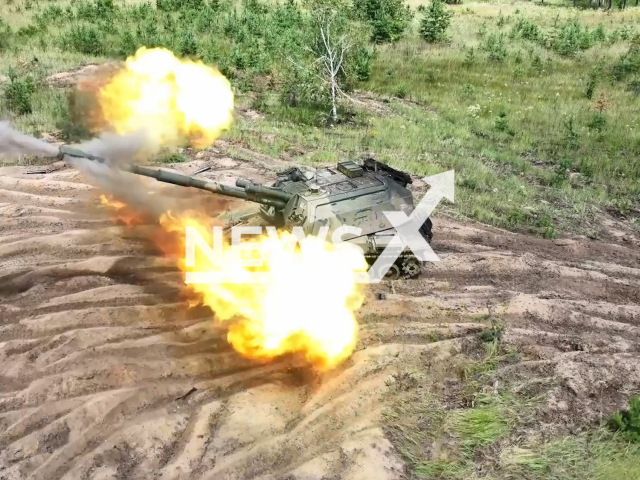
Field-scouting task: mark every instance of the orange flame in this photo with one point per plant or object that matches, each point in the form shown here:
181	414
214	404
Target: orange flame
308	307
120	213
169	98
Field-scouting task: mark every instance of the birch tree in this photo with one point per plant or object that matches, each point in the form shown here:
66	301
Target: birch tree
332	58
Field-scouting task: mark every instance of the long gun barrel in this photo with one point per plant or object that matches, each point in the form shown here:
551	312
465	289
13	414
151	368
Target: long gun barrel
251	192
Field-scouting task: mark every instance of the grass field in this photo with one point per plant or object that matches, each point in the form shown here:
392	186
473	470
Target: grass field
489	429
523	100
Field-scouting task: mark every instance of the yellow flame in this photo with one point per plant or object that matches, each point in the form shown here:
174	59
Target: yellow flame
307	308
169	98
109	201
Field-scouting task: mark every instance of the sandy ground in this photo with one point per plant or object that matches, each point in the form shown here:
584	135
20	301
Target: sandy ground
106	374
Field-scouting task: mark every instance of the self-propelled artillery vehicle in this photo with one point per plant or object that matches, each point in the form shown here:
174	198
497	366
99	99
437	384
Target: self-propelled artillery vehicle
350	194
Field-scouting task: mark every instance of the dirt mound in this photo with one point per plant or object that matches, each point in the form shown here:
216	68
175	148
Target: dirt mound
82	76
107	374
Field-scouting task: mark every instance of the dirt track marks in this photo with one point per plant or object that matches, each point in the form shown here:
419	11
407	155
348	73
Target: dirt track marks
106	374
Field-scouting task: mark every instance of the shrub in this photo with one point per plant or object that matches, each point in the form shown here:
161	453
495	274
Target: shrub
84	39
301	88
502	124
592	81
171	157
206	19
482	30
175	5
598	122
400	91
51	13
571	37
518	58
629	62
469	57
388	18
98	10
188	45
128	44
599	35
570	134
494	45
435	22
4	40
527	30
74	118
29	30
536	64
627	422
545	223
18	93
361	63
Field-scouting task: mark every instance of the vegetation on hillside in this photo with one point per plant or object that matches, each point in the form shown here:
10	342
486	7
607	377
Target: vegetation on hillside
534	106
459	420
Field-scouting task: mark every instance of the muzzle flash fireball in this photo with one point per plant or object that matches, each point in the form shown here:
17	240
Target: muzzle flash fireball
168	98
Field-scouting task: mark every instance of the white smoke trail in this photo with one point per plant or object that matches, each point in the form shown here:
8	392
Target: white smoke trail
121	150
14	143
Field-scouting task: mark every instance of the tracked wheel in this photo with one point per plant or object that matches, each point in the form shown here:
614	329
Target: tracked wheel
411	267
393	273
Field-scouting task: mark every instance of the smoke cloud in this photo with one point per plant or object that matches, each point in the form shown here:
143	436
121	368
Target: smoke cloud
14	143
121	150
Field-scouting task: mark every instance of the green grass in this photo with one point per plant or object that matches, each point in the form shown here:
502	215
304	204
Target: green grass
532	152
496	433
596	455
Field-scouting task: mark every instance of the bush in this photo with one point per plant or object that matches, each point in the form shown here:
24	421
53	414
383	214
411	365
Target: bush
629	62
5	35
494	45
570	38
527	30
435	22
469	57
301	88
502	124
598	122
175	5
171	157
18	93
388	18
627	422
188	45
536	64
51	13
361	63
592	81
98	10
400	91
84	39
128	44
599	35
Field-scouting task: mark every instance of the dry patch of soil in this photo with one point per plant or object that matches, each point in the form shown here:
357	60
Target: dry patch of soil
107	374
